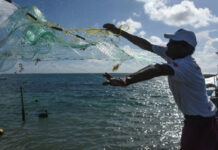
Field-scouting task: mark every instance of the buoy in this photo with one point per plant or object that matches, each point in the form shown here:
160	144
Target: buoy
1	131
43	115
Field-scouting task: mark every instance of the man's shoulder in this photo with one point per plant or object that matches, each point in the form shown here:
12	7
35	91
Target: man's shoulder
185	62
187	66
160	50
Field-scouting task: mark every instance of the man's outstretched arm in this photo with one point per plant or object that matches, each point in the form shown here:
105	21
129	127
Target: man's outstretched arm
142	43
146	73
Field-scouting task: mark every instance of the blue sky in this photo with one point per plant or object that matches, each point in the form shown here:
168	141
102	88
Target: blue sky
149	19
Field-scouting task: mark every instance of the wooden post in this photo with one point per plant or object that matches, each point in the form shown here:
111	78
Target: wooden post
22	104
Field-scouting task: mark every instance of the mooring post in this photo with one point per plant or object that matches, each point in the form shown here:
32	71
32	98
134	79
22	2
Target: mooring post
22	104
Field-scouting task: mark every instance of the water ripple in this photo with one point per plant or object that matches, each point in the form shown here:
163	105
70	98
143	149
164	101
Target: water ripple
86	115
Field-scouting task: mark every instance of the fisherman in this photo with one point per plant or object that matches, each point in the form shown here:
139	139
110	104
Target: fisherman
200	131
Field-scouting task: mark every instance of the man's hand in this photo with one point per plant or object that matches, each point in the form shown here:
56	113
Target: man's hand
112	28
113	81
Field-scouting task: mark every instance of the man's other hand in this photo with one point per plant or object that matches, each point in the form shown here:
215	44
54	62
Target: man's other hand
113	81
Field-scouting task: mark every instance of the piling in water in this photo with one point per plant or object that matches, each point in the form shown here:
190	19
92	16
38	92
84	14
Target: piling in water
22	104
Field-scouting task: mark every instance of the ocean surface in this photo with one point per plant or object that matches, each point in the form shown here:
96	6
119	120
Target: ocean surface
84	115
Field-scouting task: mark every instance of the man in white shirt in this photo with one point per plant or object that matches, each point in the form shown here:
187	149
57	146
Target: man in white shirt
200	131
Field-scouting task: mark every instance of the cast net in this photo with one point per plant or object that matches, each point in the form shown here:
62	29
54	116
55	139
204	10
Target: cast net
27	36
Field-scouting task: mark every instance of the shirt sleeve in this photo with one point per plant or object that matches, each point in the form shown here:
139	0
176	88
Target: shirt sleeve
161	51
178	65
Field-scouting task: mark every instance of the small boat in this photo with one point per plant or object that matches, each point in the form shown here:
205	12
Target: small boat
43	115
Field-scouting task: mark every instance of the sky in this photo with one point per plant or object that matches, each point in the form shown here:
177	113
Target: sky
149	19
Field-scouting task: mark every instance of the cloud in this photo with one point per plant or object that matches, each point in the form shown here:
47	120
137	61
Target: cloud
6	9
156	40
142	34
206	51
136	14
133	25
184	13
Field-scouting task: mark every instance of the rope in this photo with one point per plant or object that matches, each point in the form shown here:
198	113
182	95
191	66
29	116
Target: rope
92	30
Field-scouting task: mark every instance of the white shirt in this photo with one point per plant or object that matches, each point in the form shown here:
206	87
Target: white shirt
187	85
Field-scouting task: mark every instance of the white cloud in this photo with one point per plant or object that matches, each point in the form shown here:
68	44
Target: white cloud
135	14
133	25
206	51
184	13
156	40
142	34
6	9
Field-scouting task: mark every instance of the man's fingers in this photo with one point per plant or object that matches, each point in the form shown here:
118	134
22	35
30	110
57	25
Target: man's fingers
107	75
108	26
105	25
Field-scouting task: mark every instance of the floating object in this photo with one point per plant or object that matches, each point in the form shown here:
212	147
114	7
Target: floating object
43	115
1	131
36	100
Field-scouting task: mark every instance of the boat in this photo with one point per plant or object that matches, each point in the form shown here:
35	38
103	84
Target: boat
212	88
211	81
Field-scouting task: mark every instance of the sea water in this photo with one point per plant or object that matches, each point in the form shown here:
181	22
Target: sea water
84	115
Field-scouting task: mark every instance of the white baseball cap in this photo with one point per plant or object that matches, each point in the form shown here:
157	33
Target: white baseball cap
183	35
